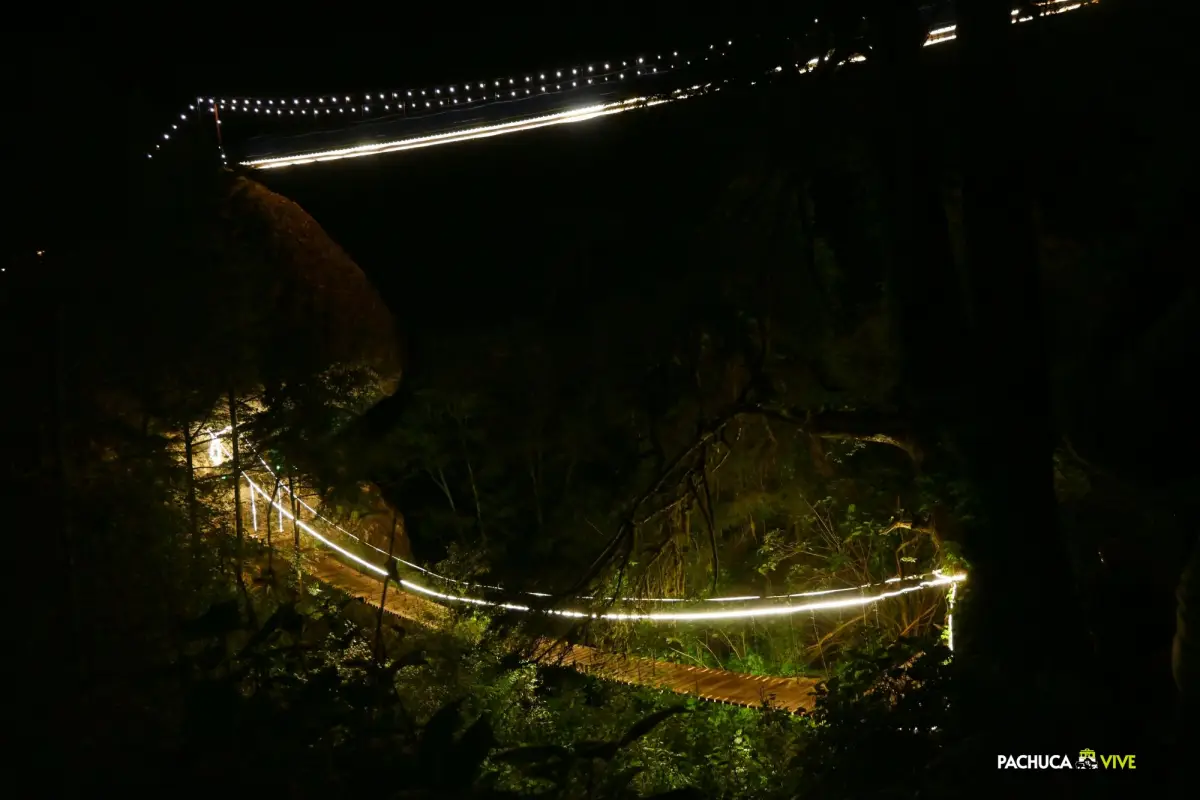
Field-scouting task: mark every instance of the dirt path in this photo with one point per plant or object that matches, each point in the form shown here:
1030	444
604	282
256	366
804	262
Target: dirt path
721	686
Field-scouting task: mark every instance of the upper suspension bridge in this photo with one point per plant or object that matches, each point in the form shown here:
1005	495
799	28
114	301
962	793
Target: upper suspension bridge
276	131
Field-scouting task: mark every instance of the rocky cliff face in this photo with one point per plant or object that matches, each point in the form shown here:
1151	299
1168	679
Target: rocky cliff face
304	291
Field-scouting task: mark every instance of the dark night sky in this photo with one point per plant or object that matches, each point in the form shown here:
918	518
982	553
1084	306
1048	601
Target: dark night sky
85	91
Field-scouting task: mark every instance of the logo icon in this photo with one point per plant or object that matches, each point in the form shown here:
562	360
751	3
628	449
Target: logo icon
1087	760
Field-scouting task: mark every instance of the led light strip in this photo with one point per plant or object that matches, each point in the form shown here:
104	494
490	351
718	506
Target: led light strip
741	598
560	118
687	616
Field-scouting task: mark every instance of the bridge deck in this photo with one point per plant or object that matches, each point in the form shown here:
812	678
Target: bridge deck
722	686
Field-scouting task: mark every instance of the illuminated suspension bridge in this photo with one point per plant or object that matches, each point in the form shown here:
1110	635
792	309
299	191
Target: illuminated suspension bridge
275	132
428	606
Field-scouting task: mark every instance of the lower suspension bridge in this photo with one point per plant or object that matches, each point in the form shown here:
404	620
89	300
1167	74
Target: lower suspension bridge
340	567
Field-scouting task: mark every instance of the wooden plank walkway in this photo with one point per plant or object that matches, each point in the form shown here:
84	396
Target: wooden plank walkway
716	685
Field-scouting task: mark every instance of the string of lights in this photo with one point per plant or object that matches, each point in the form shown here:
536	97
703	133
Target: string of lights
430	100
415	102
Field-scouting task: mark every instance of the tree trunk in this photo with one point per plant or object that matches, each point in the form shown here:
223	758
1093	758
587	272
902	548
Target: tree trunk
76	647
237	507
279	517
1008	458
193	521
383	600
295	528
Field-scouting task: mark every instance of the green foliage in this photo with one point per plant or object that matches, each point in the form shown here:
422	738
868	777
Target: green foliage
889	706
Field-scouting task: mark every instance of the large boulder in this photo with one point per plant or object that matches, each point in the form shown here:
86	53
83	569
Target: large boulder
242	289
